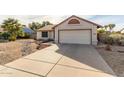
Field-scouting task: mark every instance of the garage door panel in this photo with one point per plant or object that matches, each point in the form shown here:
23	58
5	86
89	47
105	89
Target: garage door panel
75	37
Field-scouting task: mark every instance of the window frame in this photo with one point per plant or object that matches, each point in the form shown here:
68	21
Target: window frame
44	34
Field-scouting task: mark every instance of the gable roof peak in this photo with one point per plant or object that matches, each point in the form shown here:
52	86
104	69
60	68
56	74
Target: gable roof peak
80	19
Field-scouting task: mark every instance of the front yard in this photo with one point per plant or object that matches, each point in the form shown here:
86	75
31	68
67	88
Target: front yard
10	51
114	58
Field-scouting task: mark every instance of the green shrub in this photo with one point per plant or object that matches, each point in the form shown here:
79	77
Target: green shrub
100	31
5	35
112	38
116	38
12	38
24	36
103	37
20	34
0	34
109	40
27	35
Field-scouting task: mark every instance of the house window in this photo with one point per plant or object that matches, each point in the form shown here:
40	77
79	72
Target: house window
44	34
74	21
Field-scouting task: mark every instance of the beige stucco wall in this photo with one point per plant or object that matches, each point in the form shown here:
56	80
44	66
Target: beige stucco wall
82	25
51	35
94	35
38	35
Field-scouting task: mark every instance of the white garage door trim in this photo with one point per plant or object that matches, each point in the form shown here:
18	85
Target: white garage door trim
74	30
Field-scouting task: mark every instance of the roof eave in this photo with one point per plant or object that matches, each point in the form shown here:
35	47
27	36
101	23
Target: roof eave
45	30
99	26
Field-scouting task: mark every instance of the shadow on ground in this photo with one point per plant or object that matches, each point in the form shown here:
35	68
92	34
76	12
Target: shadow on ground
85	54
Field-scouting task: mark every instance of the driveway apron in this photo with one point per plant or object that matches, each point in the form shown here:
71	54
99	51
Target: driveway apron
63	60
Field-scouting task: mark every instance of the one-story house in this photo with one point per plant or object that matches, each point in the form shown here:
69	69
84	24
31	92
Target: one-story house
73	30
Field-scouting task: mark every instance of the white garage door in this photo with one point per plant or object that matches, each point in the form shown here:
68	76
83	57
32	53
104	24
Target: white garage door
75	37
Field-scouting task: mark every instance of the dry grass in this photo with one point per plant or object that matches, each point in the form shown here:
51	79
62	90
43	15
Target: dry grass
114	58
14	50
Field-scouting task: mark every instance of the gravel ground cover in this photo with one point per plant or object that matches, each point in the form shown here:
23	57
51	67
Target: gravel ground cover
114	58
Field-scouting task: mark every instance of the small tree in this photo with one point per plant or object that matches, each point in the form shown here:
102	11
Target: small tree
44	23
13	27
35	26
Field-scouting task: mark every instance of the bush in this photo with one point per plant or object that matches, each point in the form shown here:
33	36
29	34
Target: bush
20	34
0	35
100	31
112	38
116	38
5	35
27	35
103	37
12	38
109	40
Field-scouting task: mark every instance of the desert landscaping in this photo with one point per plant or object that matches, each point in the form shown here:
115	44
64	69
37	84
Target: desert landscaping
111	48
11	51
18	40
114	58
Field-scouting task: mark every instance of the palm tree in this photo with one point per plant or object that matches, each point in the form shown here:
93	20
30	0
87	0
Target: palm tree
13	27
111	26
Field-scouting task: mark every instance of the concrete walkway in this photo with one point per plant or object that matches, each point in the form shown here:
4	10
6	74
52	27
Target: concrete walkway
59	60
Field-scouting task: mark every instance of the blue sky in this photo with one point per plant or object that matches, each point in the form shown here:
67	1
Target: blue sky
100	19
107	19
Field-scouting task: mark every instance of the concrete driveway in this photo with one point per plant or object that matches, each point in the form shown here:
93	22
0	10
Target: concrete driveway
63	60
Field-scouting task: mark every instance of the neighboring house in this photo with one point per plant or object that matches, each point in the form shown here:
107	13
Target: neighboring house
27	30
74	30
